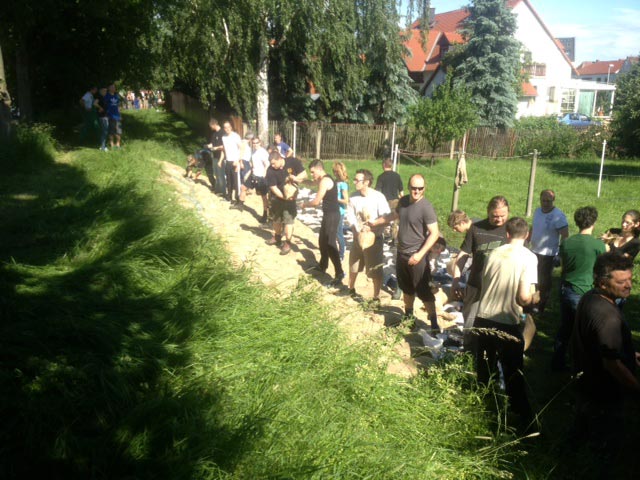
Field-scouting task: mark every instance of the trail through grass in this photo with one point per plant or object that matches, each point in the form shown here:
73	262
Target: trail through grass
131	349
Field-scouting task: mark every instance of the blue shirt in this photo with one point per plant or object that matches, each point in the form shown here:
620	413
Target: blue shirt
112	102
342	187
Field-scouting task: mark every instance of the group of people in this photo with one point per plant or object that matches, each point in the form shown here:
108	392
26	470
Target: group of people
101	116
502	273
143	99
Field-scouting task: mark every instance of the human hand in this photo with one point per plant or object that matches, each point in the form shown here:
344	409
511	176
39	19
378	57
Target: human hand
414	259
456	291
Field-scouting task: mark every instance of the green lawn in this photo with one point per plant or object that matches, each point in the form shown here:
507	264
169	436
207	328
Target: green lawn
130	348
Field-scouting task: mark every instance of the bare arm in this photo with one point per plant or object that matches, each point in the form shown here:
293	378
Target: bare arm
277	192
325	184
622	374
527	294
302	176
564	233
434	232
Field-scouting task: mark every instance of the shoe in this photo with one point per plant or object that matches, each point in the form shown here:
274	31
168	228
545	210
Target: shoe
397	294
286	248
274	241
374	304
263	219
355	295
237	206
104	149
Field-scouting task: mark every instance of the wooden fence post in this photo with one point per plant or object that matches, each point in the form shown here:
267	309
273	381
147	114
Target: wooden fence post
452	151
532	182
318	139
456	187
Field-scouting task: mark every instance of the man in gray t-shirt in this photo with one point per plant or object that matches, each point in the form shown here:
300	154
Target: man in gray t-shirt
418	232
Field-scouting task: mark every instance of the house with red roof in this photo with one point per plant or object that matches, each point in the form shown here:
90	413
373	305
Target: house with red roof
604	71
552	87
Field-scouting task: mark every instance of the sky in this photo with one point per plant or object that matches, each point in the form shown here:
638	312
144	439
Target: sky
603	30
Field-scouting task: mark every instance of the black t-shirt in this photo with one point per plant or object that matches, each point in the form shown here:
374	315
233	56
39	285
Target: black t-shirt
278	178
631	248
600	332
102	111
215	139
390	184
481	239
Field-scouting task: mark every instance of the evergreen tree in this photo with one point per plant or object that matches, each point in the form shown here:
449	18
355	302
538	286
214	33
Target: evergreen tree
626	113
490	67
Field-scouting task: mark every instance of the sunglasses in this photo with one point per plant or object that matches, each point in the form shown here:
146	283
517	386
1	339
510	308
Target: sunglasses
417	189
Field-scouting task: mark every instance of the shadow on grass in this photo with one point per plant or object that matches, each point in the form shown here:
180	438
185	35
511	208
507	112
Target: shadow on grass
86	343
590	168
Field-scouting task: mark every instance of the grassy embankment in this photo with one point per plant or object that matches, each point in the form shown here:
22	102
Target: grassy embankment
131	349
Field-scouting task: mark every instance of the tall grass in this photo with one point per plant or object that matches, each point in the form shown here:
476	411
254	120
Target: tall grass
131	349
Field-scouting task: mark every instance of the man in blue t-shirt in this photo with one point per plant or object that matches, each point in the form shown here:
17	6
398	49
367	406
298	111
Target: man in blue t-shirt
113	113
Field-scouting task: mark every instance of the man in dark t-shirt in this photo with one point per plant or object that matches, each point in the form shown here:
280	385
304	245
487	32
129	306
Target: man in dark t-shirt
483	237
604	355
283	208
215	173
418	232
390	184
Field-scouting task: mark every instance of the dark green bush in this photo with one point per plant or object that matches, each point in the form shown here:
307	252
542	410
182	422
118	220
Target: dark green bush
28	147
547	135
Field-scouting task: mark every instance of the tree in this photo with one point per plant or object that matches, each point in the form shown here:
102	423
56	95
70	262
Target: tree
626	113
490	66
445	116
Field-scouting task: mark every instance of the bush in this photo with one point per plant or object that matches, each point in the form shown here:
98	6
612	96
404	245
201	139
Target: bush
553	139
28	147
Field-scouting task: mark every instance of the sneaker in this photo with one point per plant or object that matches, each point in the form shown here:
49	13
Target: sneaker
237	206
375	304
263	219
286	248
355	295
274	241
317	268
397	294
104	149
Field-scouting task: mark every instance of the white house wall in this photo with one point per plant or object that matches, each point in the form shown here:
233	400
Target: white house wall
543	50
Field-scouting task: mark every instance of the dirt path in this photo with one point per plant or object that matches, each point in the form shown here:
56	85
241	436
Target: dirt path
245	238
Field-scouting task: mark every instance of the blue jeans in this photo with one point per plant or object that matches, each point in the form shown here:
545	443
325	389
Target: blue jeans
104	131
341	242
569	300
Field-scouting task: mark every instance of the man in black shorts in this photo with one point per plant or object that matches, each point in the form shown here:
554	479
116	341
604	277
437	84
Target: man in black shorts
418	232
283	209
483	237
604	355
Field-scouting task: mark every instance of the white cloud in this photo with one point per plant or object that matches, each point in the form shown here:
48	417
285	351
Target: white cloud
615	36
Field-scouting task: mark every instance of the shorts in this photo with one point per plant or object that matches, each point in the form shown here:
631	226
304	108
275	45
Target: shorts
115	127
283	211
258	184
372	258
414	280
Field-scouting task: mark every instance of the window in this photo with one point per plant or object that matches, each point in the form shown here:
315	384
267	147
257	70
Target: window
568	100
552	94
536	70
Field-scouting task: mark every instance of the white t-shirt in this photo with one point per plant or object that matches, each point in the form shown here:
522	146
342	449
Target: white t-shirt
87	99
505	269
545	236
232	143
374	204
260	162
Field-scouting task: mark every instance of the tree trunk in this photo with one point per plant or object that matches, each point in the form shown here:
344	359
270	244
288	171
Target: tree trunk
5	102
262	100
24	82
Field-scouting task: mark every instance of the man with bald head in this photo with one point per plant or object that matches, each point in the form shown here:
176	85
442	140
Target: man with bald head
417	232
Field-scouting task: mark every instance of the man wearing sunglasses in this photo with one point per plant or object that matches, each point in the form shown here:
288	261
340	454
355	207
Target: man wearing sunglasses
417	232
